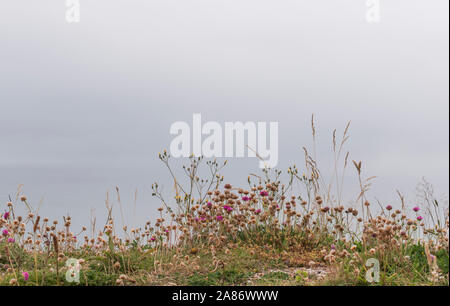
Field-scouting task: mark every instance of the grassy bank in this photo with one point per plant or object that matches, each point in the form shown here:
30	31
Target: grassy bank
295	231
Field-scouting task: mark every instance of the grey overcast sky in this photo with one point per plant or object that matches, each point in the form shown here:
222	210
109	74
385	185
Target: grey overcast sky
87	106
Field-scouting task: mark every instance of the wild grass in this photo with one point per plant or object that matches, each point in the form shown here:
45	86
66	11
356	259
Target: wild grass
291	228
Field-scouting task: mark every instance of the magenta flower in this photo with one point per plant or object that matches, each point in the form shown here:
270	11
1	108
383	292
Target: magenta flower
11	240
245	199
389	207
26	276
153	239
209	204
416	209
6	215
420	218
5	232
264	193
228	208
258	211
219	218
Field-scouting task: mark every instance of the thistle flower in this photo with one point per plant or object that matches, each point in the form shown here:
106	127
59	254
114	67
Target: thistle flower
11	240
5	232
416	209
419	218
245	199
219	218
264	193
389	207
26	276
6	215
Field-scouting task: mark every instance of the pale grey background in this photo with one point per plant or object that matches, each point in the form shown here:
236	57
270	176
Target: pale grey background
85	107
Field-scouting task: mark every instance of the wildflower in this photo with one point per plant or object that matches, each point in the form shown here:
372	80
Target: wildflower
228	208
264	193
333	247
11	240
258	211
416	209
153	239
209	204
324	209
26	276
245	199
219	218
389	207
6	215
5	232
419	218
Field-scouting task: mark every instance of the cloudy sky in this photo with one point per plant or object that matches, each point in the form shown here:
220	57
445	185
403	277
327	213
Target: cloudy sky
87	106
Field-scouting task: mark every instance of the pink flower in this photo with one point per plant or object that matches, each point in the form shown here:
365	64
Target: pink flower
26	276
245	199
258	211
5	232
11	240
416	209
420	218
209	204
264	193
389	207
153	239
6	215
219	218
228	208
